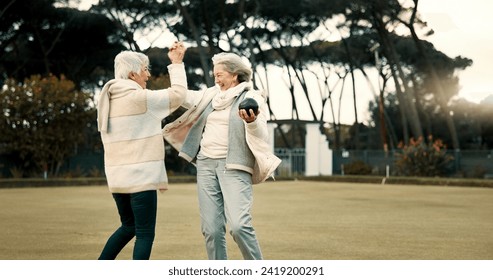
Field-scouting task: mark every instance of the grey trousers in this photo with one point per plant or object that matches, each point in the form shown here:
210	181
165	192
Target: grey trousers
225	196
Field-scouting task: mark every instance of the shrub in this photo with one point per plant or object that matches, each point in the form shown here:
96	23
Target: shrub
423	159
43	120
16	172
357	167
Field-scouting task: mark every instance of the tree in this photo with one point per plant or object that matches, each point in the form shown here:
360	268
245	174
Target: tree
290	35
39	38
439	91
43	120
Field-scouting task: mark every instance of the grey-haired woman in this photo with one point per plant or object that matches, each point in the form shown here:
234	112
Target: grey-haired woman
230	150
129	119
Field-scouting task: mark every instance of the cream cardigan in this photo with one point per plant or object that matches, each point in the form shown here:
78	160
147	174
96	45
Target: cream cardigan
129	119
256	133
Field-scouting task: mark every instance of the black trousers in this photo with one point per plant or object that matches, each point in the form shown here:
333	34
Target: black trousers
138	218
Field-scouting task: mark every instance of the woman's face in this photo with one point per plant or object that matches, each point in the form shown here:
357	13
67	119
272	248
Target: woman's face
223	78
142	77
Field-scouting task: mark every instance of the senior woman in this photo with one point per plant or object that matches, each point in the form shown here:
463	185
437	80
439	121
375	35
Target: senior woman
129	119
229	148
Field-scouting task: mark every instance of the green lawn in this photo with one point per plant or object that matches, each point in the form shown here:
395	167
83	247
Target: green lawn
293	220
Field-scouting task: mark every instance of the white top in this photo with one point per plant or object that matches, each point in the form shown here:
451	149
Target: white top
214	143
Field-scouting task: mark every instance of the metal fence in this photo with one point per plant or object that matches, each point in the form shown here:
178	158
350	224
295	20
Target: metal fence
471	164
293	162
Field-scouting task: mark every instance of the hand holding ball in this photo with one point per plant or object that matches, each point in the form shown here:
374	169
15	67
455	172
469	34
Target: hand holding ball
247	104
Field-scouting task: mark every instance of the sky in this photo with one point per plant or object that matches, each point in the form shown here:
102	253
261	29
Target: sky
462	28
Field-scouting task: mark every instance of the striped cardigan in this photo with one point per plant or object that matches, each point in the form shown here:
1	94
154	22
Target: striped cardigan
129	120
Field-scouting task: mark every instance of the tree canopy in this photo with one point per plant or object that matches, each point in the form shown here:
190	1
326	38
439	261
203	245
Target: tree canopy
43	121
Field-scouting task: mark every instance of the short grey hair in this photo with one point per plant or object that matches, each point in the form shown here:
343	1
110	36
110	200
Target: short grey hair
129	61
234	65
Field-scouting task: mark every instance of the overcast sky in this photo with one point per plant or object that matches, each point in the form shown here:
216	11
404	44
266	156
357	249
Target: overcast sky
465	28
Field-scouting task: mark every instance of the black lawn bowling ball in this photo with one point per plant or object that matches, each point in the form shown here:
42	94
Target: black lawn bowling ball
247	104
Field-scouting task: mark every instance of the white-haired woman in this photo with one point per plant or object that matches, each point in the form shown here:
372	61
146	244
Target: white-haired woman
129	120
230	150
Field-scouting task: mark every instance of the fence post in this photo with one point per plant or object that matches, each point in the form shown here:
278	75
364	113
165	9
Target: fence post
457	156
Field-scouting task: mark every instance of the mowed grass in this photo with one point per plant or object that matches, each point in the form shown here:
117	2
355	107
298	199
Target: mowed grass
294	220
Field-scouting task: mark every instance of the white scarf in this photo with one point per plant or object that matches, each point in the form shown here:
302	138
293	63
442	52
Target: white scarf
224	99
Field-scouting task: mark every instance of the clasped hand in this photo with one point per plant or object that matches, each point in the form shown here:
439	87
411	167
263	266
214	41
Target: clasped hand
177	52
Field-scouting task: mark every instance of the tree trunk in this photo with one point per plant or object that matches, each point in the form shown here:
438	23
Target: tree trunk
351	69
408	106
440	94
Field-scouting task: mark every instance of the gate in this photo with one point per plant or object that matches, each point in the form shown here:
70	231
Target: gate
293	162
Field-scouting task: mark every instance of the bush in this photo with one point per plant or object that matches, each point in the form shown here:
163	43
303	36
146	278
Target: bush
43	121
423	159
357	167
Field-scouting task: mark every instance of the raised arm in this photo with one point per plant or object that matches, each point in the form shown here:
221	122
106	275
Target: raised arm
178	89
